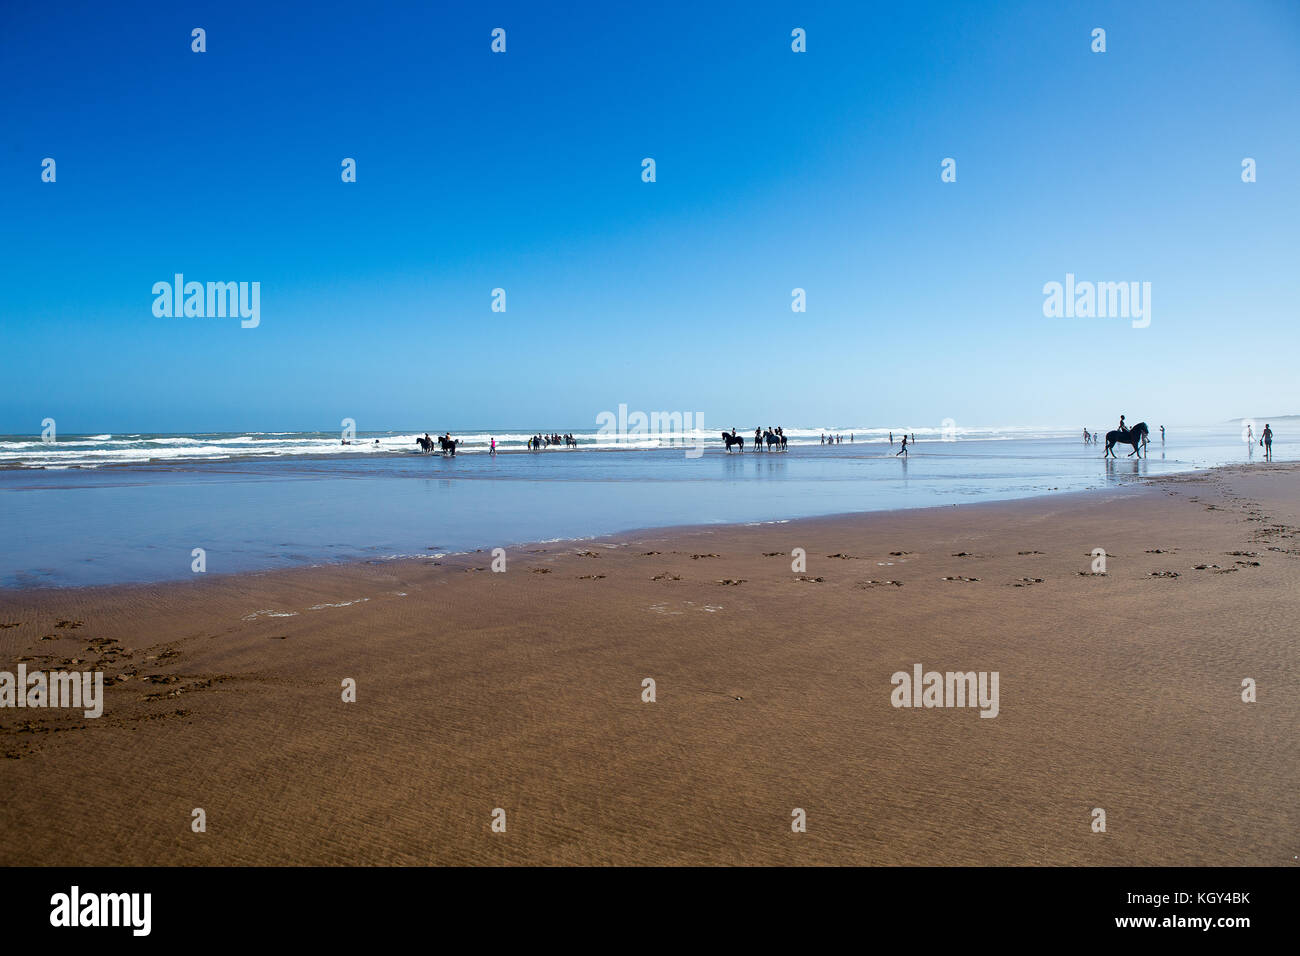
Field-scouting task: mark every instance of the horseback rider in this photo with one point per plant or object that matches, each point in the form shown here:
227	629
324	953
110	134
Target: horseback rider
1122	426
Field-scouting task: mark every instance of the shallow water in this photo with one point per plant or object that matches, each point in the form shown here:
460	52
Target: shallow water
141	522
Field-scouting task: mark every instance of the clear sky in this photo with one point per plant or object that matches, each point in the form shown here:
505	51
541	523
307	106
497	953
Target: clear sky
522	170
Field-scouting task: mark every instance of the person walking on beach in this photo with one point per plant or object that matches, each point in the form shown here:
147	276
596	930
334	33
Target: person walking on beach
1267	439
494	445
904	449
891	439
1162	434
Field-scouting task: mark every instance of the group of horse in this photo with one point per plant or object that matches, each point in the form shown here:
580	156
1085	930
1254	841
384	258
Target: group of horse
445	442
774	440
537	442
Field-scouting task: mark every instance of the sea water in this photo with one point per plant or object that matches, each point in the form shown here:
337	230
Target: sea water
111	509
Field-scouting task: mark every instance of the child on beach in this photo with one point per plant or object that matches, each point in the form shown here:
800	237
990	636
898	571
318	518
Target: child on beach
904	450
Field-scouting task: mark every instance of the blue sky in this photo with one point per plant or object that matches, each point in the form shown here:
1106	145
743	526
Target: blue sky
775	170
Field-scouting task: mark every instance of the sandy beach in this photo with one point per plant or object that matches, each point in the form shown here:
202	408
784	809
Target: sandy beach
523	691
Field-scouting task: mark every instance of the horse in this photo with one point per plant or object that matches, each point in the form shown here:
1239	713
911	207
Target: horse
771	439
448	445
737	440
426	444
1133	436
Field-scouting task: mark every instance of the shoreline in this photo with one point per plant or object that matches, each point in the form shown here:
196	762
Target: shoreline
522	690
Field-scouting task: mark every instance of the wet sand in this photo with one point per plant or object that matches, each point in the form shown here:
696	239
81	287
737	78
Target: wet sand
523	691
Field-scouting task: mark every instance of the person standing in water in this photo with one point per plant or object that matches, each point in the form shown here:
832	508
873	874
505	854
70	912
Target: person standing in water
1267	439
904	449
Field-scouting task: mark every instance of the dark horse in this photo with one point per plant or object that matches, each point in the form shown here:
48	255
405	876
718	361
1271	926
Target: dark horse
448	445
774	439
1133	436
737	440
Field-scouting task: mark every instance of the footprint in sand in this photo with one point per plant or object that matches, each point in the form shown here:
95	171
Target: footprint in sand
666	577
1026	582
774	554
590	577
804	577
1206	567
1023	553
1164	574
732	582
696	557
879	584
959	577
541	570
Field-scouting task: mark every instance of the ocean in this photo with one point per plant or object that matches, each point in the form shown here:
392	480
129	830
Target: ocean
110	509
